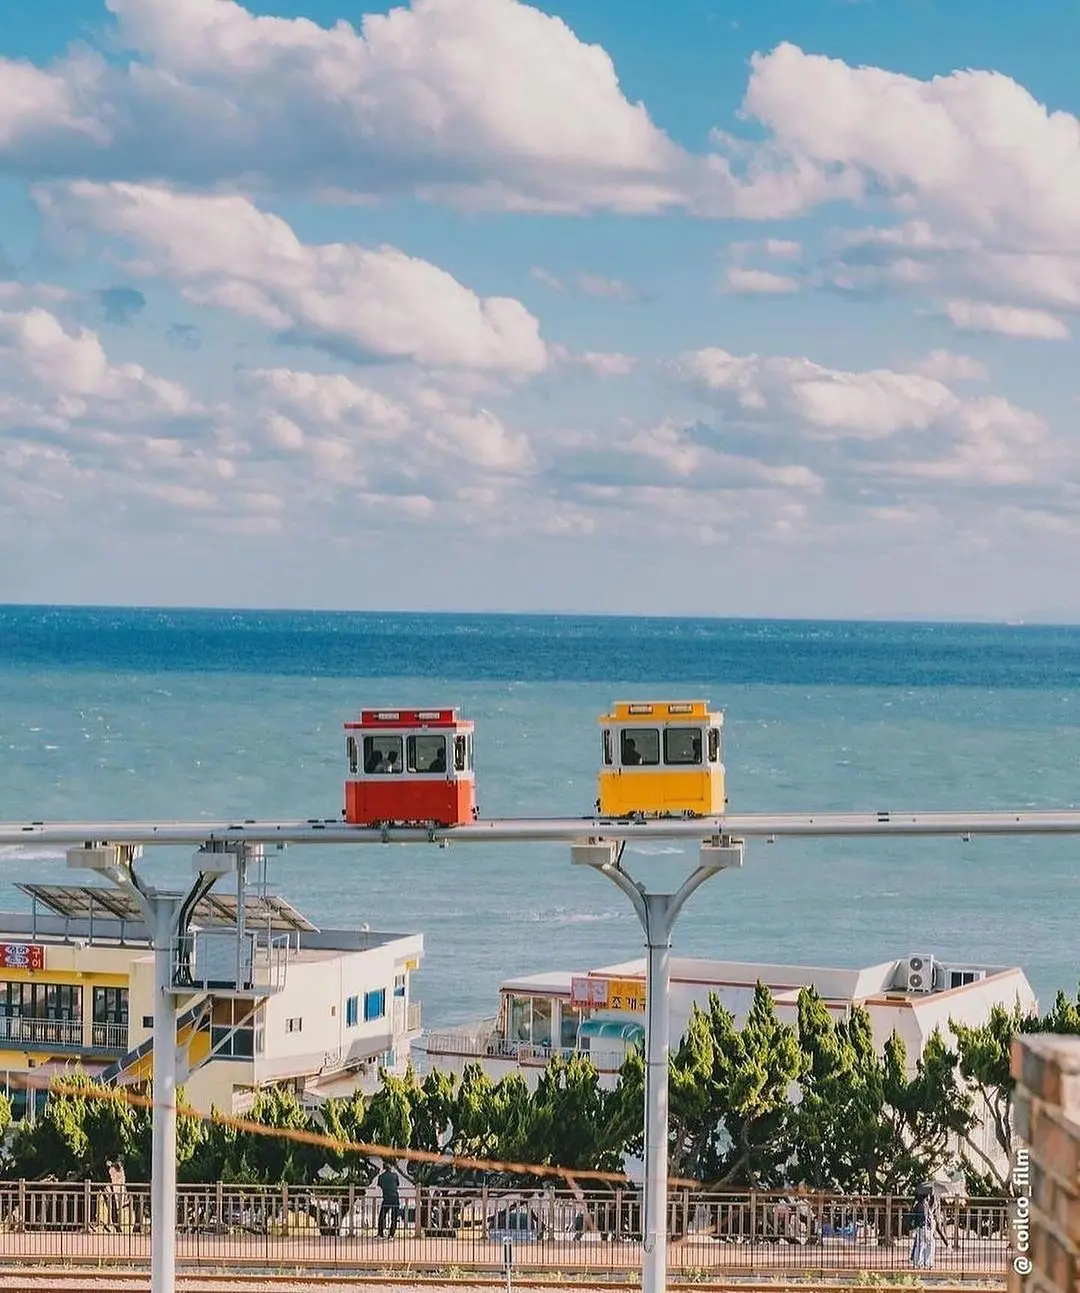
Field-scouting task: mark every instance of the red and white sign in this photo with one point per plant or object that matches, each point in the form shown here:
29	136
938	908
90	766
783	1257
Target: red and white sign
21	956
588	992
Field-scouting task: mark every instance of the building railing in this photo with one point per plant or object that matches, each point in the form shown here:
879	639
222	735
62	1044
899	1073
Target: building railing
109	1037
224	960
551	1229
492	1046
413	1017
67	1034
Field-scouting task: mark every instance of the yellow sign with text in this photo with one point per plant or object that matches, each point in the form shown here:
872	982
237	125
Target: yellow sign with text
626	994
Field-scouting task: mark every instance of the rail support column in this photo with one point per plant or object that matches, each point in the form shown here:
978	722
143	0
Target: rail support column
163	914
165	911
657	913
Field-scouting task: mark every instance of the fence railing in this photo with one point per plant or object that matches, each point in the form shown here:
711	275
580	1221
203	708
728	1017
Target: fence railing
69	1034
553	1230
468	1046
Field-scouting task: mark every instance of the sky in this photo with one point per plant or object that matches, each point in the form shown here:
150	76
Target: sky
763	307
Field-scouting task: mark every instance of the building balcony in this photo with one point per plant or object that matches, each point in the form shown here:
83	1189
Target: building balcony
64	1035
472	1045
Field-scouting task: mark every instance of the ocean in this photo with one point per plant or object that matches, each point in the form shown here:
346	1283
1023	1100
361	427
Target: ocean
168	714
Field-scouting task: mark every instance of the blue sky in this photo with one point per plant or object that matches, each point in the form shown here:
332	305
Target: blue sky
469	304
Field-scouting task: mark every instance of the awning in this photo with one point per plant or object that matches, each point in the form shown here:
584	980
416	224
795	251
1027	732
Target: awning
611	1028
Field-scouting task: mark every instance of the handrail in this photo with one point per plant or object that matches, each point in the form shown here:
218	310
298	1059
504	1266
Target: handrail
72	1034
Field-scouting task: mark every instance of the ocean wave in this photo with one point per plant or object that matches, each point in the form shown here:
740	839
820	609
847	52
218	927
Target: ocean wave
566	916
28	853
655	850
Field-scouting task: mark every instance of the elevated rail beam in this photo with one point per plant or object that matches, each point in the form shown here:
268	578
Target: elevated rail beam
542	830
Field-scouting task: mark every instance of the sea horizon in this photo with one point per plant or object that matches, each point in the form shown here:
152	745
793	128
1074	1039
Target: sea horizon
913	618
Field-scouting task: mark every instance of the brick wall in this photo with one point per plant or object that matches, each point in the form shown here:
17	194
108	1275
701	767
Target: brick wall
1046	1166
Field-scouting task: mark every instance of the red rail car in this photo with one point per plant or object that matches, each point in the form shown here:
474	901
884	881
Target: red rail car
409	767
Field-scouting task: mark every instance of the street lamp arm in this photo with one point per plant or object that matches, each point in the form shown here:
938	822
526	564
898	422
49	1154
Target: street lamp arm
630	887
689	886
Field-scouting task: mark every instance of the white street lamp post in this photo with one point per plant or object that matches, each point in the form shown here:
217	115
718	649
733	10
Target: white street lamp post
657	913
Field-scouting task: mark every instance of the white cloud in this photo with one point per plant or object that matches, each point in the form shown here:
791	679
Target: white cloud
946	366
488	103
1008	320
609	288
491	98
782	249
361	438
601	363
974	149
72	366
758	282
880	429
774	248
224	252
606	363
987	178
588	285
81	435
547	278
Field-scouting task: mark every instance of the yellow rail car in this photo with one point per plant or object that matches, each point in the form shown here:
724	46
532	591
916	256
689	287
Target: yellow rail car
661	759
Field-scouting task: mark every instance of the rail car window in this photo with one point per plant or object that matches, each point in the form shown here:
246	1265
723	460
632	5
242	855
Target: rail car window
640	746
714	744
682	745
609	753
461	753
426	753
382	754
353	752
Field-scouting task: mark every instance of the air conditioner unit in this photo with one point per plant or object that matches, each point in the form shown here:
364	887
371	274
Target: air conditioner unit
917	974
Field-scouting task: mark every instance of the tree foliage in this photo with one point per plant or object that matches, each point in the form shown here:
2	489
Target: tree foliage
818	1103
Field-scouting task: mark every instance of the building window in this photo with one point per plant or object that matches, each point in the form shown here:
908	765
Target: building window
232	1029
110	1017
640	745
42	1013
294	1025
374	1005
520	1019
682	745
399	985
382	755
352	1012
426	753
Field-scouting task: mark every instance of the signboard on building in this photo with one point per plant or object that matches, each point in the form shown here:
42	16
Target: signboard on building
608	994
21	956
626	994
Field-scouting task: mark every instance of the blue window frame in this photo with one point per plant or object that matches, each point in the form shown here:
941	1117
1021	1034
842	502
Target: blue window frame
352	1012
374	1005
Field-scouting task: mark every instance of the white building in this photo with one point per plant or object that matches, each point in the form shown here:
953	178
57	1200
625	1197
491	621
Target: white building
602	1011
319	1009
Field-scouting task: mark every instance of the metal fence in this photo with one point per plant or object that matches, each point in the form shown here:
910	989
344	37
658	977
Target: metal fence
439	1229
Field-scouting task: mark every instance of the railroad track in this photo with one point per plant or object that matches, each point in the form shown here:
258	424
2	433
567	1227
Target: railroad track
103	1280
